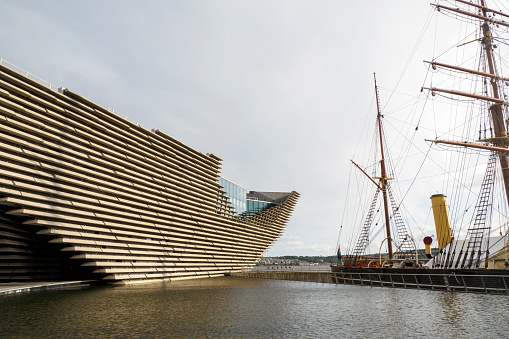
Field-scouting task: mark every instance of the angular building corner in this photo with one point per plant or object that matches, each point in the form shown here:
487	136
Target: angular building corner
86	194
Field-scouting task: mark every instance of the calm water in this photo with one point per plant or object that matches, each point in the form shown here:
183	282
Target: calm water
252	308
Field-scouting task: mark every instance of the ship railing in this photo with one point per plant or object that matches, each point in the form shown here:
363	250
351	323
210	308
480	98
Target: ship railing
450	281
373	262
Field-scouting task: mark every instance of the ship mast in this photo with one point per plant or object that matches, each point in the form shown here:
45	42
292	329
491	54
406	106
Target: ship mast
383	178
501	139
497	116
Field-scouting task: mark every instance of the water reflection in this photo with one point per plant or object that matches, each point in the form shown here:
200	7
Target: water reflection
452	310
251	308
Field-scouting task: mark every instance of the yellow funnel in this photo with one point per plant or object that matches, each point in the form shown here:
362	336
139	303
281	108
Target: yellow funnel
442	220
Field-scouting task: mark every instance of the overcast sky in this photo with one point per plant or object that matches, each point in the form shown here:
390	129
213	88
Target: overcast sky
280	90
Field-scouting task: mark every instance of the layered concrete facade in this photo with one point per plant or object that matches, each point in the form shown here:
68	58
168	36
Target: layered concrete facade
87	194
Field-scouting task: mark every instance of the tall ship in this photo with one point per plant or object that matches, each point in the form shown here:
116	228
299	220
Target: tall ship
86	194
468	250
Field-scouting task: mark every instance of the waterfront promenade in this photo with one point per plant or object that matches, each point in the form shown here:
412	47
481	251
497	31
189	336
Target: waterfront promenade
21	287
311	273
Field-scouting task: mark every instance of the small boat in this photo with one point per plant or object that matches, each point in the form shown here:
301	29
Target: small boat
464	254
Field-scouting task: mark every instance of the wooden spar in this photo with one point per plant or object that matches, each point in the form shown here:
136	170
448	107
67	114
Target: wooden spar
480	17
497	116
471	145
464	94
466	70
366	174
482	7
383	178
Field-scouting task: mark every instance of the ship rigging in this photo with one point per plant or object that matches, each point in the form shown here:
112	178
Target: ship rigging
467	250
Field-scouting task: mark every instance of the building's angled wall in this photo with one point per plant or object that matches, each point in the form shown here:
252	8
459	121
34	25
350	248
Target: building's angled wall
85	193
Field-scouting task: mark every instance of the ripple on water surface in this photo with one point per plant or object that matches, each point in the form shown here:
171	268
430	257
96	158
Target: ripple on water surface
252	308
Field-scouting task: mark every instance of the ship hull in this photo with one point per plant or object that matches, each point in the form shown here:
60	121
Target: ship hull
459	280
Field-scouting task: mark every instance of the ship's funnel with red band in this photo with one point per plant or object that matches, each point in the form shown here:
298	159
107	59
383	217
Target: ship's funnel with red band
427	246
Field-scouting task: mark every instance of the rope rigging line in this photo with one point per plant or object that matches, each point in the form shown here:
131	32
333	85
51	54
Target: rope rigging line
344	207
412	54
